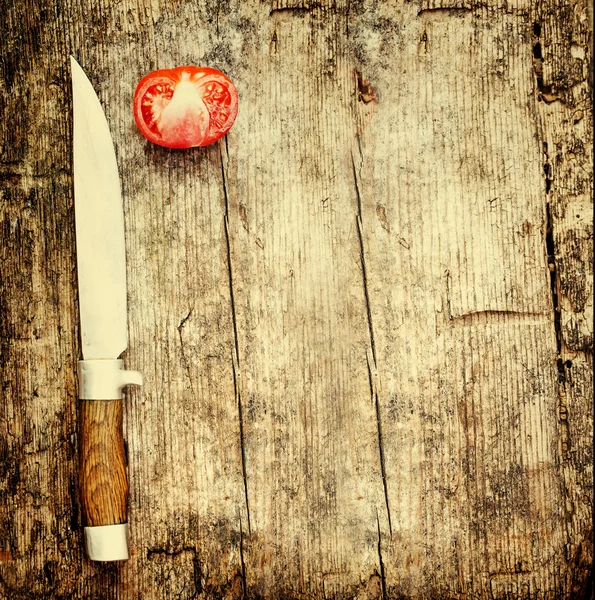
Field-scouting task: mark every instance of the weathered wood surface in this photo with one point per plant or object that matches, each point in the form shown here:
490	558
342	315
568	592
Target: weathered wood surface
365	318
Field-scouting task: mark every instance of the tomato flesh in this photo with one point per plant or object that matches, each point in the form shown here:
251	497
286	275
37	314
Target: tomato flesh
185	107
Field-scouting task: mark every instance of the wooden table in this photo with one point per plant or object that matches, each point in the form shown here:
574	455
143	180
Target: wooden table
364	318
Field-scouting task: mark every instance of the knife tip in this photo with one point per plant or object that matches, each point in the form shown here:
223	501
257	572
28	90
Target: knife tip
74	65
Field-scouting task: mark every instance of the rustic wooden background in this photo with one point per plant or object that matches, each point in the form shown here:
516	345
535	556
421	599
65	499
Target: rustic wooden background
364	318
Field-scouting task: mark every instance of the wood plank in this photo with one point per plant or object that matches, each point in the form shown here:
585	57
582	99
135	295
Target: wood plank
188	504
313	465
455	247
38	324
562	47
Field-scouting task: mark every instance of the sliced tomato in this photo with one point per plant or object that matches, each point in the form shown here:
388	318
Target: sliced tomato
185	107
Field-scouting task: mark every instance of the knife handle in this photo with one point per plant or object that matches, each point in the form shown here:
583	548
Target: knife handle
102	476
102	469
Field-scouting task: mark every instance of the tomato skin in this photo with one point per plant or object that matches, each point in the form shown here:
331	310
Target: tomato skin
185	107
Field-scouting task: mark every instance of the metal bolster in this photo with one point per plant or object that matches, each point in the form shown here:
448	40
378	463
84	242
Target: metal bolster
104	379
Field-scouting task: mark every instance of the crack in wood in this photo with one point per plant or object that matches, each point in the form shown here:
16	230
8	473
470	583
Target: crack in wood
450	11
228	248
381	561
547	169
492	315
373	386
184	320
551	259
236	375
242	562
473	7
289	12
563	412
547	93
236	353
448	283
185	361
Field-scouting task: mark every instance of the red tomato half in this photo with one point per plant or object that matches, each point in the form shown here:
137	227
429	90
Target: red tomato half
185	106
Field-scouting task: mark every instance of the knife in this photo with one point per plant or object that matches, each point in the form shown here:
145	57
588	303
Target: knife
101	266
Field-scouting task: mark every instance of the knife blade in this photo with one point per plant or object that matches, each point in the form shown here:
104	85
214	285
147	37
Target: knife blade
101	274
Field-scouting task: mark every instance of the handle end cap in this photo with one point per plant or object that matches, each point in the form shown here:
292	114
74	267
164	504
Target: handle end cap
107	542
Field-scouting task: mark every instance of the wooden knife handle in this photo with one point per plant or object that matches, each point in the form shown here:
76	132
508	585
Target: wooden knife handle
102	476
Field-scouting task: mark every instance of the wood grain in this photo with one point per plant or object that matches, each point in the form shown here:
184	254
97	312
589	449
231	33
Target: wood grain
364	318
102	472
